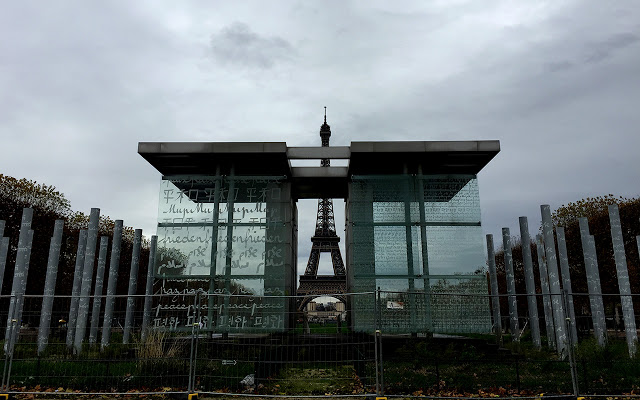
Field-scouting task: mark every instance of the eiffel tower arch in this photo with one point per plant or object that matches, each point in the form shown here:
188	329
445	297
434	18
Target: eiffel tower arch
324	240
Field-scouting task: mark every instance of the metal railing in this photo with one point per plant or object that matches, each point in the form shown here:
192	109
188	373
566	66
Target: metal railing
265	349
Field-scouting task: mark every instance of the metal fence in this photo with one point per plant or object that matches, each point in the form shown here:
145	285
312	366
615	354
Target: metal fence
312	354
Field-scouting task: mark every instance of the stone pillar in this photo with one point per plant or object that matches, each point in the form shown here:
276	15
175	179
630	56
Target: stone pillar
566	282
50	285
546	301
133	284
511	285
495	299
75	290
532	302
87	280
623	280
554	281
593	282
97	291
114	265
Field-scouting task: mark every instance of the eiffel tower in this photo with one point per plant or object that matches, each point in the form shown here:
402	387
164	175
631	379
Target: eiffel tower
325	240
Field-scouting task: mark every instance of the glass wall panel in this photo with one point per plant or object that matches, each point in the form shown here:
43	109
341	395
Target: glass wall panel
228	236
455	249
405	229
390	243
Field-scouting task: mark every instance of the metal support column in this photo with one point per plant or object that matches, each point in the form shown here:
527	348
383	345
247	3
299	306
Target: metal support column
593	282
623	280
114	265
511	285
50	285
495	299
133	285
532	302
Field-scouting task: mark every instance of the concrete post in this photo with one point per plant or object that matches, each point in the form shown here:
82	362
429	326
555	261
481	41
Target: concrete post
97	291
623	279
593	282
87	279
529	281
133	283
2	223
554	281
148	293
563	257
75	291
511	285
20	272
114	265
546	301
50	285
493	277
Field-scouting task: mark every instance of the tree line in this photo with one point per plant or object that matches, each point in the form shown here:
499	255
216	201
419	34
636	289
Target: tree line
595	210
49	205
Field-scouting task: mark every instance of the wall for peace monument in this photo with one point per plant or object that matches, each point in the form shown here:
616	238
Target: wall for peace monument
417	236
225	236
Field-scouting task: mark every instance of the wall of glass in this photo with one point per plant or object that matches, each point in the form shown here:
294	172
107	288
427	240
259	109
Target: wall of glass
233	239
416	238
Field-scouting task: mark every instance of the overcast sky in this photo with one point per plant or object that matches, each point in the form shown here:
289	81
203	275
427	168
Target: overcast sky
557	82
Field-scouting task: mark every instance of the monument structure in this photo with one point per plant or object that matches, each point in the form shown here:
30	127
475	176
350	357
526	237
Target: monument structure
227	224
324	240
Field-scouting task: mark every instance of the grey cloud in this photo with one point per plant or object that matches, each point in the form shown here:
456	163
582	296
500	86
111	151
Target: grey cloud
603	50
559	66
237	44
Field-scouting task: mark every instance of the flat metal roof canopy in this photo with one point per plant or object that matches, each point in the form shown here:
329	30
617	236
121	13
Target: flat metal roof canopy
274	159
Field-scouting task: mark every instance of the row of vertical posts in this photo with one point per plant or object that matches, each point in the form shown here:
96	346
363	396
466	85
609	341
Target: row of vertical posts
560	315
83	281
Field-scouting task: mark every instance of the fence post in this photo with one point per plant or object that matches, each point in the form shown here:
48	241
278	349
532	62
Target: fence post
50	285
375	339
379	334
518	372
572	361
192	352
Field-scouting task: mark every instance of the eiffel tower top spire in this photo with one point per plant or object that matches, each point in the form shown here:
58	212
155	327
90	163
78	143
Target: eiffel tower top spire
325	131
325	134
